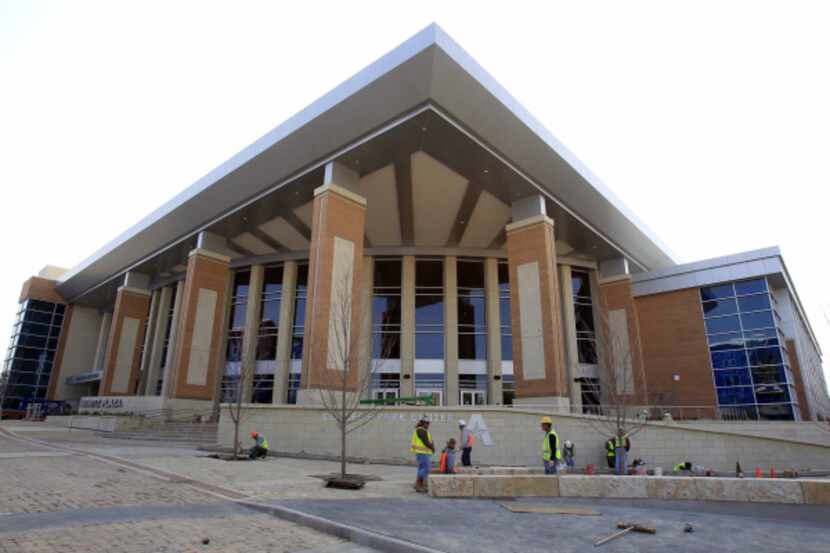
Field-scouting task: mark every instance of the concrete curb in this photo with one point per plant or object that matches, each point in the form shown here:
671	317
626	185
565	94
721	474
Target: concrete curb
354	534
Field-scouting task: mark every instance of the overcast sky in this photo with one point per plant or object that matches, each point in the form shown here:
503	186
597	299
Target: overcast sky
711	120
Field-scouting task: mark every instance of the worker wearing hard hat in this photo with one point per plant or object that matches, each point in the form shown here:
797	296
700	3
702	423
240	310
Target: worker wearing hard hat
467	441
550	446
260	448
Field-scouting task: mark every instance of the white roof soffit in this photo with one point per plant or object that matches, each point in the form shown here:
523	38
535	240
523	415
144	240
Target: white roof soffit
427	71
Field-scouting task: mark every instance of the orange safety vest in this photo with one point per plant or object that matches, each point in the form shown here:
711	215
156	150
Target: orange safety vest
442	463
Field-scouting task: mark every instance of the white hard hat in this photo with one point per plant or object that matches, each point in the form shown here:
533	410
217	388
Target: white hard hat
568	443
461	422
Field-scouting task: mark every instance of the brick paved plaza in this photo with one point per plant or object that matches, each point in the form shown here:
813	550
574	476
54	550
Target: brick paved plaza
77	491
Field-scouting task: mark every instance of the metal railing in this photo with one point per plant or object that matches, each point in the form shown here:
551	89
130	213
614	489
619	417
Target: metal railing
666	413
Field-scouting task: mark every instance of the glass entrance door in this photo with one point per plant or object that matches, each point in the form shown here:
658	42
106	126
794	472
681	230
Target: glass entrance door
473	397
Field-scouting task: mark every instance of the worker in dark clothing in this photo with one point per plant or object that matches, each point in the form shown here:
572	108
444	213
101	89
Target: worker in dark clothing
550	446
611	453
260	448
421	445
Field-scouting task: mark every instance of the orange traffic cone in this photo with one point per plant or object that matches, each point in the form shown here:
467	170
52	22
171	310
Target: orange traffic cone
758	473
772	472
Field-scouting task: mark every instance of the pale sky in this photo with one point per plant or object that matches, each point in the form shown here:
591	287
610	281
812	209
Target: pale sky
711	120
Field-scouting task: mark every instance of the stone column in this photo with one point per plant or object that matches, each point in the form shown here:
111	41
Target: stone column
121	363
169	369
199	336
284	336
408	327
450	331
366	364
569	337
250	335
149	332
491	288
538	351
155	333
103	338
334	276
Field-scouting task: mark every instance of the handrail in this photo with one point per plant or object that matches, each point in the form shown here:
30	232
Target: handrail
709	413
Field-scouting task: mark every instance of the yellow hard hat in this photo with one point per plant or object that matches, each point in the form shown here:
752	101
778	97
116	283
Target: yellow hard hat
546	420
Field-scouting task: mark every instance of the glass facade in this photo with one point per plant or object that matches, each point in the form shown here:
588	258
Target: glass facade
747	351
236	328
429	324
586	340
506	321
31	354
386	309
168	328
472	310
297	332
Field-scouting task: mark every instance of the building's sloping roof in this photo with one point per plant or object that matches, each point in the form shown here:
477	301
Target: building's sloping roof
428	70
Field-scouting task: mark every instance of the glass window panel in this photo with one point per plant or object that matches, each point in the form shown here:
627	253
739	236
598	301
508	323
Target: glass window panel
735	396
271	313
776	412
581	284
472	346
297	347
55	331
299	312
60	308
723	324
504	312
754	303
587	350
769	375
272	281
763	337
241	283
728	359
302	278
715	308
715	292
584	316
429	346
507	348
504	278
765	356
429	273
751	286
429	310
471	274
234	352
386	310
263	390
759	319
29	340
732	377
238	315
729	340
40	305
38	317
388	273
471	311
772	393
34	328
266	348
386	345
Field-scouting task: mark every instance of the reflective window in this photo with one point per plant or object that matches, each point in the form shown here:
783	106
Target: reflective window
757	319
725	306
472	305
715	292
772	393
732	377
386	309
505	316
736	395
429	308
754	303
750	286
769	375
298	327
765	356
761	337
584	317
239	306
725	341
723	324
728	359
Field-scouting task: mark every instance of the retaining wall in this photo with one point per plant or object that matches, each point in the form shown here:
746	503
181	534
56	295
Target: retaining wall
515	438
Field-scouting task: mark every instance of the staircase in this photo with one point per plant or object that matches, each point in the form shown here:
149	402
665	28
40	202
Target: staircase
179	432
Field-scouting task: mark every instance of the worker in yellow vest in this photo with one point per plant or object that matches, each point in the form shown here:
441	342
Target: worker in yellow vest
260	449
622	445
421	445
550	446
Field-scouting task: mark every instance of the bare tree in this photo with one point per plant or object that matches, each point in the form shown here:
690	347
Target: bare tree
241	391
620	387
349	377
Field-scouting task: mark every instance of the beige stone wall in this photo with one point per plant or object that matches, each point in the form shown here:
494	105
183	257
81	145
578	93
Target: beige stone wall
79	352
516	438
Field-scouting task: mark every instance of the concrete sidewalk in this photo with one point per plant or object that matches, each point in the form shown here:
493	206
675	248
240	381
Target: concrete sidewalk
486	527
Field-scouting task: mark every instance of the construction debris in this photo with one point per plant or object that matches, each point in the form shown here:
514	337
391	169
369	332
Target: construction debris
513	508
626	528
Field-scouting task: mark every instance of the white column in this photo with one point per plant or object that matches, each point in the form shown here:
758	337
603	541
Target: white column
152	356
365	362
450	330
103	337
168	383
569	338
286	328
491	290
250	336
408	327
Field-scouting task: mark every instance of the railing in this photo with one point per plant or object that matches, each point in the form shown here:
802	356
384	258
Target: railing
647	412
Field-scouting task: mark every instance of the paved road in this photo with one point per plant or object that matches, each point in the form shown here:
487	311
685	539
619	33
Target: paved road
484	526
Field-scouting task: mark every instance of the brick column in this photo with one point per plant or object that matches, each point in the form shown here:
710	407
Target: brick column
121	362
491	287
334	277
198	349
289	292
538	359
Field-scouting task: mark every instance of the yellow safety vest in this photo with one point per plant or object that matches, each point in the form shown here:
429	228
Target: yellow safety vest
609	445
264	444
417	445
547	453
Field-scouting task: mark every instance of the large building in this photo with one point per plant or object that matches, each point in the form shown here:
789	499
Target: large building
419	227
